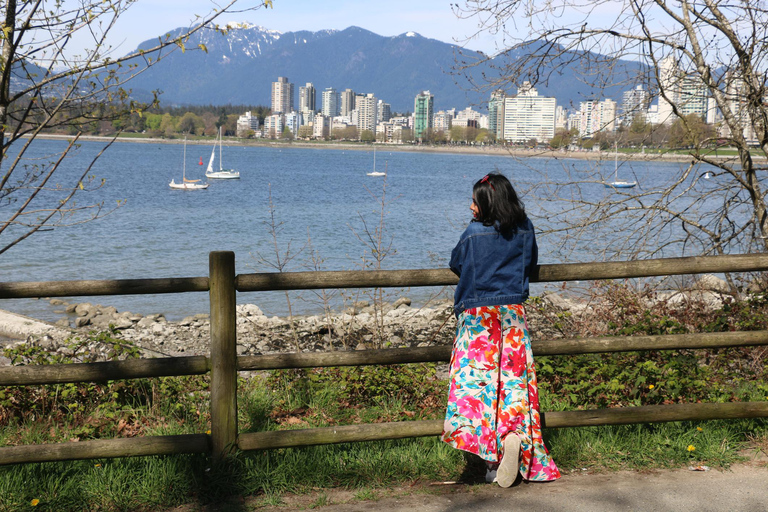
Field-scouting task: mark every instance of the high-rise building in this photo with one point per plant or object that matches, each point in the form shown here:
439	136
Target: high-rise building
367	109
247	123
634	104
596	116
384	113
307	98
282	96
442	121
347	102
686	91
330	102
423	111
529	116
496	113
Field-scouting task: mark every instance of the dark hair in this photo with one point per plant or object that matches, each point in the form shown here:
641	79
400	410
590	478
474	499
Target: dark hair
497	203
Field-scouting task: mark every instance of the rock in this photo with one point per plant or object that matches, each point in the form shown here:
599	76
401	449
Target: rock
402	301
83	309
57	302
122	323
82	321
70	308
361	304
63	322
361	346
712	283
249	310
109	310
557	301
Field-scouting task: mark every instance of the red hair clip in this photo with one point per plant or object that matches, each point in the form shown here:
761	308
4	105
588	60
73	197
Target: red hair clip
486	178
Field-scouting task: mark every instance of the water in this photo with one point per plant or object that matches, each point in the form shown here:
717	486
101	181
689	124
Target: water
323	193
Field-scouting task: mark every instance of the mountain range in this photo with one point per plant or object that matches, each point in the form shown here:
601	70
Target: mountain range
241	64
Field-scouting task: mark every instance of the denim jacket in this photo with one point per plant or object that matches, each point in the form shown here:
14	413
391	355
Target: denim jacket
493	268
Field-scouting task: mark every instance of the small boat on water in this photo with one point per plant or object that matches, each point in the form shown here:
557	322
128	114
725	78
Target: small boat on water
221	174
375	172
185	183
617	183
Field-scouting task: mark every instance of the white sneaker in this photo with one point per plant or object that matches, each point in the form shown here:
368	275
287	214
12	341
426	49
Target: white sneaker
490	476
510	461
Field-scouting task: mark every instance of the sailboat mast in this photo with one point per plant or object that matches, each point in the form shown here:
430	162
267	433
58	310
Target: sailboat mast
184	163
221	163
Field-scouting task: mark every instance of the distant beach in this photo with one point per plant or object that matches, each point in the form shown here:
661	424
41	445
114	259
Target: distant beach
494	150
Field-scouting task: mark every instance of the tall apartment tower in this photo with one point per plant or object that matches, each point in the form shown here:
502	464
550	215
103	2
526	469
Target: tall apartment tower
282	96
367	109
634	104
384	113
529	116
423	110
496	113
307	99
330	102
347	104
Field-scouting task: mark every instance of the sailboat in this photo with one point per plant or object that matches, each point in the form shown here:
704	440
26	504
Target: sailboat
617	183
224	174
375	172
185	183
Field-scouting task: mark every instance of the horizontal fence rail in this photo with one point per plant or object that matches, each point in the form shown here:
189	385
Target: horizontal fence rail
223	364
26	290
384	278
557	419
198	365
106	448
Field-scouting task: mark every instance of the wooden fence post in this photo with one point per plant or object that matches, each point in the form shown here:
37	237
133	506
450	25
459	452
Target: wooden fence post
223	353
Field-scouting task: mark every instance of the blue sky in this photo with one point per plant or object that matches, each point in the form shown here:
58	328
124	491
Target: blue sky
430	18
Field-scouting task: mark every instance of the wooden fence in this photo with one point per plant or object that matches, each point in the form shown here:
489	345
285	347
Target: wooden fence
223	363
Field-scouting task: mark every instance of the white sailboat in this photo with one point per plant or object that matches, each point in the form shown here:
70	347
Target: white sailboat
375	172
222	174
617	183
185	183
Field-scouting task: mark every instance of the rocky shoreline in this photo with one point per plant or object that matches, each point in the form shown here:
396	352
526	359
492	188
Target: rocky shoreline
359	327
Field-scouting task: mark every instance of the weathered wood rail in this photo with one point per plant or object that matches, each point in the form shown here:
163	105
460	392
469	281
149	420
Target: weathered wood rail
223	363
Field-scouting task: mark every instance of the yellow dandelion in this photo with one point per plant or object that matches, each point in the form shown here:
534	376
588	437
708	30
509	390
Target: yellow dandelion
35	502
691	448
651	386
699	429
97	465
208	432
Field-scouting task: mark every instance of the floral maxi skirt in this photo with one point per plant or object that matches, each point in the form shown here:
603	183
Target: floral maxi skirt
493	390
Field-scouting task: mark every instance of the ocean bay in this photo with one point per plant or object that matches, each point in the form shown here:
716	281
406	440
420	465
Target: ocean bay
322	193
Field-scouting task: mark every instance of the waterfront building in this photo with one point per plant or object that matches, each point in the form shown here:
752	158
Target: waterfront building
423	112
496	113
330	102
274	125
293	120
384	112
597	116
389	132
282	96
686	91
321	127
247	123
737	104
442	121
529	116
634	104
307	98
367	110
561	118
347	102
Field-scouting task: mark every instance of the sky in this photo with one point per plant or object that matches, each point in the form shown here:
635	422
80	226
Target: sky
431	18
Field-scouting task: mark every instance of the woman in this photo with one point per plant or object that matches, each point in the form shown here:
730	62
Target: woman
493	405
